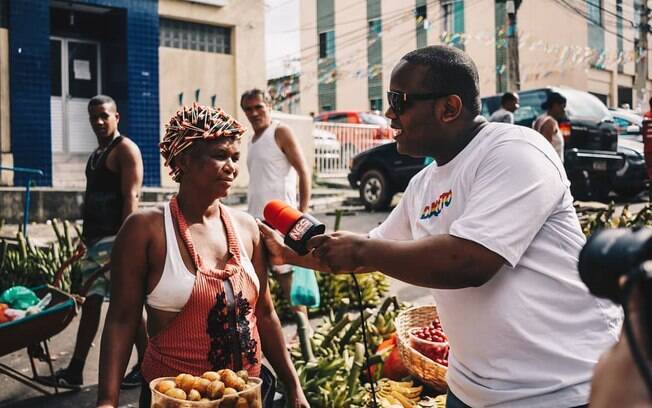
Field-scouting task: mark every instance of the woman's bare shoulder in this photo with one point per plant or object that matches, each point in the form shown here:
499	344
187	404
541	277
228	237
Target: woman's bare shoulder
144	222
244	223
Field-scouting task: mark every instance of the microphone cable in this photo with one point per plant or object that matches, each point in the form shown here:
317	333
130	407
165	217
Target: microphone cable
364	339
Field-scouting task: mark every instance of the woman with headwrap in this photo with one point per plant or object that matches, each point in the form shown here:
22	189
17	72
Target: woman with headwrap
198	267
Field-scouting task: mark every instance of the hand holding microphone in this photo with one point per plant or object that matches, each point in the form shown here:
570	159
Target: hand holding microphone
298	228
337	252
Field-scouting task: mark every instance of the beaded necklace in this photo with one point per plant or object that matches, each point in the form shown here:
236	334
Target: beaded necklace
187	240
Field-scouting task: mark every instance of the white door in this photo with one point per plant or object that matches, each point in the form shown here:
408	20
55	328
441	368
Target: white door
75	79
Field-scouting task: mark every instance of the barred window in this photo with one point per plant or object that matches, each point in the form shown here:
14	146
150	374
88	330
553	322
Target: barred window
327	44
594	11
195	36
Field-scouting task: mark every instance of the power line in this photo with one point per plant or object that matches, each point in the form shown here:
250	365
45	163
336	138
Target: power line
351	60
410	10
355	35
588	2
574	9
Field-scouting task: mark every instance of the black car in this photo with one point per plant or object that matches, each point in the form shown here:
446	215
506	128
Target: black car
591	155
632	178
381	172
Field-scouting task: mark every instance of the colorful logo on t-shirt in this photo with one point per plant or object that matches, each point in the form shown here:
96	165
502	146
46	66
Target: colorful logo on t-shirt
437	206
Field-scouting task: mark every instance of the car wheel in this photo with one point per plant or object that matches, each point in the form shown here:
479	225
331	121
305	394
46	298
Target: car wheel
375	191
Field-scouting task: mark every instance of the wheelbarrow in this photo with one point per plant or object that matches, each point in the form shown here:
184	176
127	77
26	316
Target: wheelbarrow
33	332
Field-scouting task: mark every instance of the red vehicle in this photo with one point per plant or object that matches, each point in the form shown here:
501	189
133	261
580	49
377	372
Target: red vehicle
373	130
360	118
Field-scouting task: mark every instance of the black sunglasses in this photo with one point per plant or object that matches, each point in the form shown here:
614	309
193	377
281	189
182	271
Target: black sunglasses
399	100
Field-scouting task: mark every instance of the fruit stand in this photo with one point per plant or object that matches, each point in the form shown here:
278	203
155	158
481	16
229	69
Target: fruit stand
334	372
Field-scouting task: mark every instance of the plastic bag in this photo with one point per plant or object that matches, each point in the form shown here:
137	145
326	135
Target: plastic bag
304	289
38	308
19	297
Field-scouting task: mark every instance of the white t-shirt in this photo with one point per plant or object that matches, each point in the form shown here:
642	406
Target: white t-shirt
502	115
531	336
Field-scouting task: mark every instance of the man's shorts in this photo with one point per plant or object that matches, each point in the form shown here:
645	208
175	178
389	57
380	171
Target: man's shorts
97	256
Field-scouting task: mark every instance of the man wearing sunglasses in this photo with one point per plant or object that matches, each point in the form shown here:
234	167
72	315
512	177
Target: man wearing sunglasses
492	230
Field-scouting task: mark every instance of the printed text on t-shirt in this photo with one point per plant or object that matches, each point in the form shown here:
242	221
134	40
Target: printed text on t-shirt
437	206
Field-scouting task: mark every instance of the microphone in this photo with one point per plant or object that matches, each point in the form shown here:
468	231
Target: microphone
298	228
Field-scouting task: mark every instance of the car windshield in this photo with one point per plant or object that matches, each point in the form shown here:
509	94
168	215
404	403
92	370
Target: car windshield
373	119
530	102
583	104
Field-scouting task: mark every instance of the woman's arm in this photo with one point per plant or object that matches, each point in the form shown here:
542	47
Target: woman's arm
273	342
128	273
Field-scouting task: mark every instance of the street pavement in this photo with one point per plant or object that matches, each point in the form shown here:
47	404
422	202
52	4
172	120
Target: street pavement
14	394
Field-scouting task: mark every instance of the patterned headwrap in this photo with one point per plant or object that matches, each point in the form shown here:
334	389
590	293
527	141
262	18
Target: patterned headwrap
192	123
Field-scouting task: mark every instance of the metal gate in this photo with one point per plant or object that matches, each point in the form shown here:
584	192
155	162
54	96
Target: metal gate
337	143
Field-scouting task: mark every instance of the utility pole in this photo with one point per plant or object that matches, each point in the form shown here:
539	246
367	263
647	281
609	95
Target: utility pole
640	81
513	73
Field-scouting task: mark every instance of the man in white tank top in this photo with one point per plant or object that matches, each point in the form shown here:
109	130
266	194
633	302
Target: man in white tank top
274	159
548	122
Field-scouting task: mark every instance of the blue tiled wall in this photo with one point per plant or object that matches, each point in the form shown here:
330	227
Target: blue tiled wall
29	62
30	83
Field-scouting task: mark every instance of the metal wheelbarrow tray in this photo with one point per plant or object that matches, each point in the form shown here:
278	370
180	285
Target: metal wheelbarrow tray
32	332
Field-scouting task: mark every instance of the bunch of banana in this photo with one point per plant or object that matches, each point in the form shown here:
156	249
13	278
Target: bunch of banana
592	218
395	392
337	292
330	362
28	265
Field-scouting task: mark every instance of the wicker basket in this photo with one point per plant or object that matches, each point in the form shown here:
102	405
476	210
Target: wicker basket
420	366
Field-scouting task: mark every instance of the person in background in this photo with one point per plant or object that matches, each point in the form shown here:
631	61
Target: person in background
648	114
274	160
508	105
548	122
114	176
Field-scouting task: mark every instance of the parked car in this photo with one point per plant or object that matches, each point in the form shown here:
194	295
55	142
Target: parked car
627	122
354	142
361	118
381	172
327	147
591	154
632	178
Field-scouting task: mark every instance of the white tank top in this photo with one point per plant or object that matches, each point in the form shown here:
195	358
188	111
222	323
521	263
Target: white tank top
175	286
557	138
271	176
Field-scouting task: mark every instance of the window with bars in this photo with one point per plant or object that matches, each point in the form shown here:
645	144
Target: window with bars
595	32
195	36
594	11
327	44
421	14
453	21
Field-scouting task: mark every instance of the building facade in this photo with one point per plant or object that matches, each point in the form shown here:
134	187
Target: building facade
349	47
151	56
